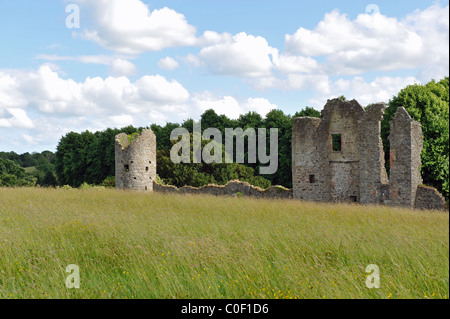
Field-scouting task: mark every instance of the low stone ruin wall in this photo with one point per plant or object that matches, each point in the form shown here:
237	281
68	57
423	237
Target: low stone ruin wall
426	197
233	188
429	198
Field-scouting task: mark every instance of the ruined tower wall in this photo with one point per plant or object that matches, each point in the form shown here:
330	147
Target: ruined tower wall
136	161
406	146
342	118
416	158
374	181
310	171
335	171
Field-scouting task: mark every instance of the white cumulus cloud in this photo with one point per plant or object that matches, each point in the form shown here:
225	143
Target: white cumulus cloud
49	95
19	119
117	66
168	63
240	55
230	106
130	27
377	42
380	89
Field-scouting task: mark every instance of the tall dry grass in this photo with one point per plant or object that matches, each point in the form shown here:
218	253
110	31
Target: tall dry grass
136	245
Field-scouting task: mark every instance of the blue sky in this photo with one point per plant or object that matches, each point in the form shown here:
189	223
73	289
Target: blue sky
142	62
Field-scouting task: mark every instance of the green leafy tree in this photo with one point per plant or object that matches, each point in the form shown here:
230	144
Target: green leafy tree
163	134
36	164
210	119
189	125
73	158
308	112
12	175
250	120
201	174
283	122
49	179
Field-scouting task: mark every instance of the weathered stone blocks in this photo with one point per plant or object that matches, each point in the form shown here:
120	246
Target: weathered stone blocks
340	157
135	161
336	158
353	170
429	198
406	143
232	188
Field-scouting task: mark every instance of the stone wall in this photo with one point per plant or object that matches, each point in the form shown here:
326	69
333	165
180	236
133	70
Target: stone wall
355	172
429	198
406	144
373	178
136	161
310	172
341	118
232	188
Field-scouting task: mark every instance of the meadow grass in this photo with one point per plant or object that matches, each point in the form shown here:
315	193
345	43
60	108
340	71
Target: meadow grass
141	245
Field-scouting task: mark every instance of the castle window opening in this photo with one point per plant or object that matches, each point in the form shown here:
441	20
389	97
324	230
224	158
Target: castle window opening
312	178
146	169
336	142
127	168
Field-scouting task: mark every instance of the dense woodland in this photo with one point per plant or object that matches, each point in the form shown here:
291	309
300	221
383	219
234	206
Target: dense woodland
89	157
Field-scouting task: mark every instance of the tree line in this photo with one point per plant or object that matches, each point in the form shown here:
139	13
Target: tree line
88	157
27	169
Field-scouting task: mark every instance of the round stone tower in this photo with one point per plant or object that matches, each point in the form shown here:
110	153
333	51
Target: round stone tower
135	157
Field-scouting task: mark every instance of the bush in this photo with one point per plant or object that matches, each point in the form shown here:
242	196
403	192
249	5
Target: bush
109	182
12	175
84	186
159	180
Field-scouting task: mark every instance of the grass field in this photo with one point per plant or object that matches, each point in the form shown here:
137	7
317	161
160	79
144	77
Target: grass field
136	245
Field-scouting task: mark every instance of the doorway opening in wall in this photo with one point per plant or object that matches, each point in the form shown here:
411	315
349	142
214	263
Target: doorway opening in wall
353	199
336	142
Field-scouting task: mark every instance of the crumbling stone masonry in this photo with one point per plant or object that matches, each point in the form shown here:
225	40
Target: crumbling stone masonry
232	188
135	161
429	198
340	157
336	158
406	146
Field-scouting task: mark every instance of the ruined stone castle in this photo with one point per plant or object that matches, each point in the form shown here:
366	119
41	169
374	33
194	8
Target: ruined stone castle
336	158
340	157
